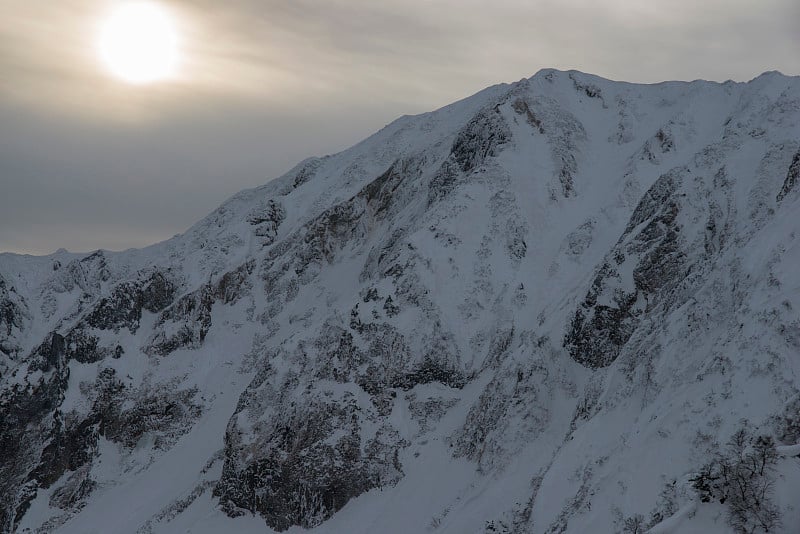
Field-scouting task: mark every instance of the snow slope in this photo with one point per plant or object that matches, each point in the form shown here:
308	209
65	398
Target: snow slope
544	308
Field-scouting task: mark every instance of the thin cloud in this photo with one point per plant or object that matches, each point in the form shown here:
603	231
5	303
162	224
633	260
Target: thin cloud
86	161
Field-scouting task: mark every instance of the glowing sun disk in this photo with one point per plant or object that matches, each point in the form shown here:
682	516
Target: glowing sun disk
138	43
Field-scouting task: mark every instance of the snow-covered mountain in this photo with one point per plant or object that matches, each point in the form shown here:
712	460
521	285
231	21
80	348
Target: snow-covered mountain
561	305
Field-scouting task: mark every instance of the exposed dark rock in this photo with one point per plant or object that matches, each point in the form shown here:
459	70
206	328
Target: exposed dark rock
266	220
318	241
309	457
610	312
125	416
87	273
72	494
390	307
515	242
565	135
589	89
792	177
652	200
305	173
13	317
339	357
598	332
84	348
371	295
50	355
309	461
480	139
39	443
514	390
662	142
123	308
193	313
431	371
521	106
28	420
380	194
235	284
70	445
328	233
429	411
393	365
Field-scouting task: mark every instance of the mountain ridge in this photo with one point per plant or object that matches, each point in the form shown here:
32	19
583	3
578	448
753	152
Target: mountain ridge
541	72
479	287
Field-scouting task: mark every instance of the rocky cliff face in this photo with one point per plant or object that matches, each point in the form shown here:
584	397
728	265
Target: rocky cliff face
540	309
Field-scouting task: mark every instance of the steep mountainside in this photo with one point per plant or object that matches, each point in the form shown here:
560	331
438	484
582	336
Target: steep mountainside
561	305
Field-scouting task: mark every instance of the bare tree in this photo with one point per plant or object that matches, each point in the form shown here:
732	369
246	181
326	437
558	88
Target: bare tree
742	478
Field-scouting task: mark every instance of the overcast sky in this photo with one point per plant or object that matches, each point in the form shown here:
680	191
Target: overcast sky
89	162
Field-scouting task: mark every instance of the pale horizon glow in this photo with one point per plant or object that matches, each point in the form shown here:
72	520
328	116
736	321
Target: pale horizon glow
138	43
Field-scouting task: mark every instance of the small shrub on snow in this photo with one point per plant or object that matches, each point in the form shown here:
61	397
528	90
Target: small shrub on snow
634	525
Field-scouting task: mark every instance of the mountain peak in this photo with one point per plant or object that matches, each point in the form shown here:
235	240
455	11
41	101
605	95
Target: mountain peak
547	307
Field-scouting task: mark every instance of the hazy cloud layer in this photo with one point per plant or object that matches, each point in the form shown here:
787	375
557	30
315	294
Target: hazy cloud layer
87	162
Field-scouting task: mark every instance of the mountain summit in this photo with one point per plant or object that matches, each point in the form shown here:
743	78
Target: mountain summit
561	305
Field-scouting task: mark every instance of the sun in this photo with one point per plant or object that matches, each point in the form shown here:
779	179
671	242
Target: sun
138	43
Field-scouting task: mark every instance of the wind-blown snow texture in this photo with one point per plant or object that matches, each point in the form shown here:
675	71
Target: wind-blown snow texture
540	309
